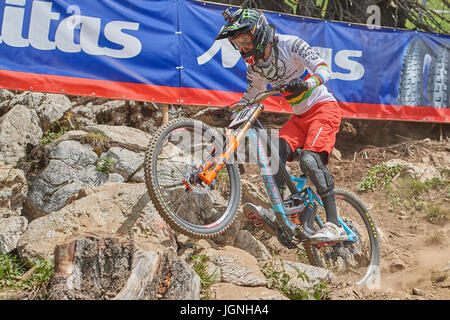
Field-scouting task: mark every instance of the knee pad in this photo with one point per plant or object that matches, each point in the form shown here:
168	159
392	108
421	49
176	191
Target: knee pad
312	165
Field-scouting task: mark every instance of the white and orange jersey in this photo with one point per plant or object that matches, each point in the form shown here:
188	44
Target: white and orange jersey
296	59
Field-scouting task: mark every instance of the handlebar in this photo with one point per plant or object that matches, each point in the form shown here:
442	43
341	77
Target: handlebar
259	97
226	112
264	95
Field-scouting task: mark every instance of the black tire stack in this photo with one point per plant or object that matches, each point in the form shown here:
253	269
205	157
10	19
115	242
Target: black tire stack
439	84
425	76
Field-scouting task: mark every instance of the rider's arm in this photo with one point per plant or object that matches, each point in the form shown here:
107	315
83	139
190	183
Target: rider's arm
320	71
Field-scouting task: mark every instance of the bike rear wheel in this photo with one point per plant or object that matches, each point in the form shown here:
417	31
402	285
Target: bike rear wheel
357	262
174	156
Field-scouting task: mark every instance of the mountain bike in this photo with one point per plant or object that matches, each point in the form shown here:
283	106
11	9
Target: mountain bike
193	181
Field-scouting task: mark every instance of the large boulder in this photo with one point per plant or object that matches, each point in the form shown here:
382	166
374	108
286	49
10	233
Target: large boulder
235	266
246	241
77	160
126	137
112	207
51	108
71	167
159	274
48	106
420	171
124	269
18	127
126	163
301	276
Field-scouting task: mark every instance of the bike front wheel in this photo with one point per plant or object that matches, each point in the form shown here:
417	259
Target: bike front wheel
172	161
351	261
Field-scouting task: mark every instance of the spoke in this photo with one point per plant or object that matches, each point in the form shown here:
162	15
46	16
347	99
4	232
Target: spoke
176	213
175	184
181	198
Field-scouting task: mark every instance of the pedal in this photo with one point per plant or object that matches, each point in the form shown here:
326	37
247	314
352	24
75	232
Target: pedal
255	219
322	243
325	244
259	221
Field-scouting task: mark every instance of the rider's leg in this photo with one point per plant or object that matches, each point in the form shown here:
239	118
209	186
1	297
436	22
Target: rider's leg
284	152
313	165
315	131
323	127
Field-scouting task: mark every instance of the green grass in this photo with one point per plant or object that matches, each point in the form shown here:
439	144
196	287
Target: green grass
105	165
301	254
429	198
50	136
378	177
206	279
97	138
14	275
435	214
11	269
278	279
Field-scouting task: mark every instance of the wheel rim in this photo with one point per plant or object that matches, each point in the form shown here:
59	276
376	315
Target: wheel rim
356	262
203	209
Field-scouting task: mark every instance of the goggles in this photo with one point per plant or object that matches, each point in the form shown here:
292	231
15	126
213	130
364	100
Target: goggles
243	42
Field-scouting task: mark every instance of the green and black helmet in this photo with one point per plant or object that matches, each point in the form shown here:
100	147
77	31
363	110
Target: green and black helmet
248	31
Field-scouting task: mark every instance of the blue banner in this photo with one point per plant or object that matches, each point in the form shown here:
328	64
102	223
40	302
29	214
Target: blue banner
164	51
117	41
371	66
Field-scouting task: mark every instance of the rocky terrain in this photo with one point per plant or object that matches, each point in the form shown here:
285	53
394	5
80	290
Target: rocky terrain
72	192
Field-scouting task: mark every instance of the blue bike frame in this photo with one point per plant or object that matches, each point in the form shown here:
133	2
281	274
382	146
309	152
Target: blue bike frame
274	195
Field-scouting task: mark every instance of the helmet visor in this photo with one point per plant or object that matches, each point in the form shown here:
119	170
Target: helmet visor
243	42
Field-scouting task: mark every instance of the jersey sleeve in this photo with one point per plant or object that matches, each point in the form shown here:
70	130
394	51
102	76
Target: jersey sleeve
320	71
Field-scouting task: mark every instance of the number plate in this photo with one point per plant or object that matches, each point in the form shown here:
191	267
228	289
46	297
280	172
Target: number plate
242	116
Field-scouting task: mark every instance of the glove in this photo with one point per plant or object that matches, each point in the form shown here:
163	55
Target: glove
296	86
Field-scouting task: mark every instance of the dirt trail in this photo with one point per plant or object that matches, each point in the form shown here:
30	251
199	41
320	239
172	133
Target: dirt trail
415	254
415	251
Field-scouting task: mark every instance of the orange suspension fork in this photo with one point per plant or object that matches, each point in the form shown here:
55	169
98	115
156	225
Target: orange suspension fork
209	173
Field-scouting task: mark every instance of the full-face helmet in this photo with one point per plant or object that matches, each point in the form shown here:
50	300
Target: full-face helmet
248	31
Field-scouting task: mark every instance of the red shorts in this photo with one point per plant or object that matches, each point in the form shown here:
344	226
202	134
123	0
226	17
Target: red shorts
314	130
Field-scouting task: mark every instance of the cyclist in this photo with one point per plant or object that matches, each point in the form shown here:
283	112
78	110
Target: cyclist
277	59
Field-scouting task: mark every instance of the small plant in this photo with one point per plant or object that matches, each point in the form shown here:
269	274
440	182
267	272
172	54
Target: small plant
14	275
58	128
301	254
105	165
435	239
381	174
206	279
51	136
278	279
97	138
10	271
37	282
436	215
